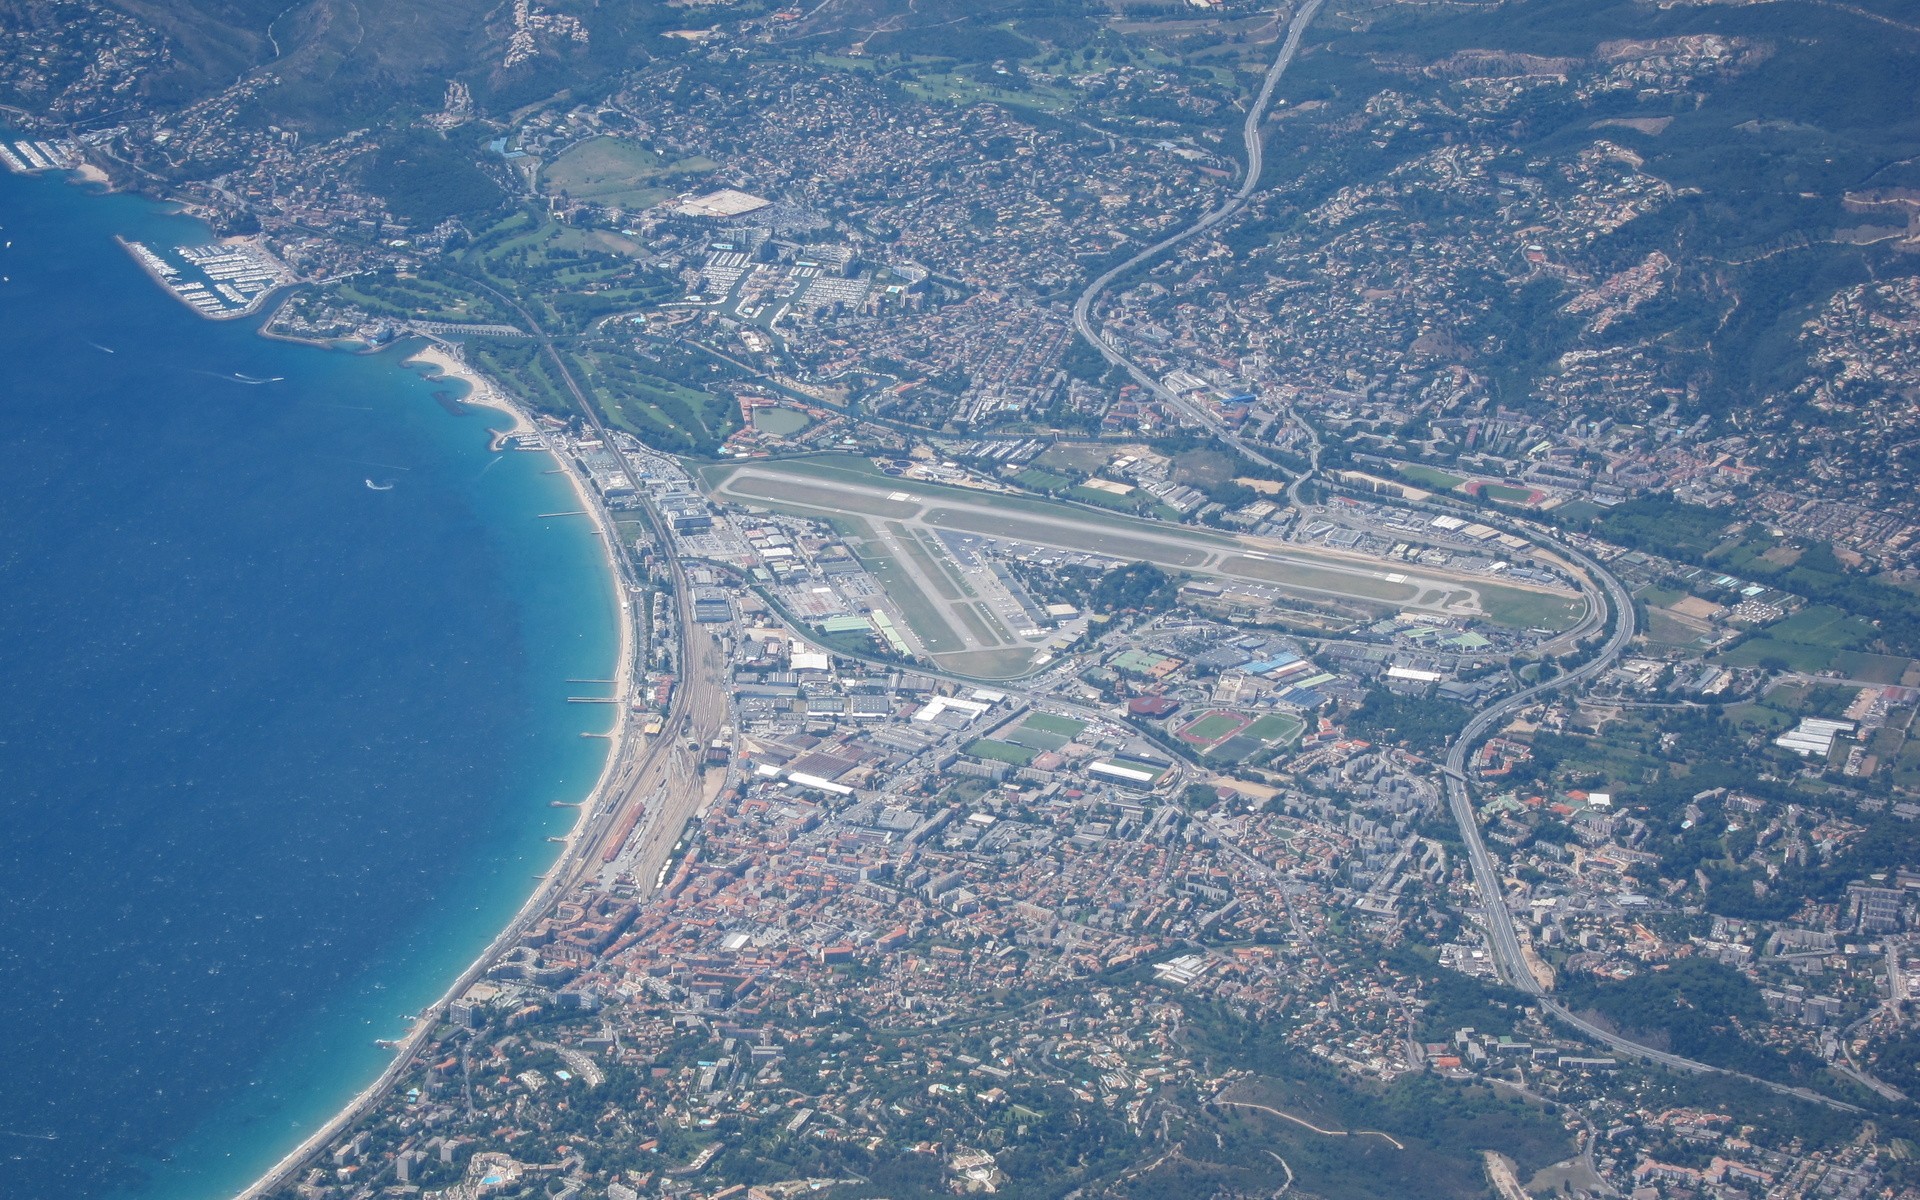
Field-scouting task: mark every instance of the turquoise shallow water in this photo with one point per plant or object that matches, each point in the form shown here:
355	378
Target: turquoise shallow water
276	748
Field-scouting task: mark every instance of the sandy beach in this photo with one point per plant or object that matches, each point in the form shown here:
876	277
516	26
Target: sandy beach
448	362
483	392
480	389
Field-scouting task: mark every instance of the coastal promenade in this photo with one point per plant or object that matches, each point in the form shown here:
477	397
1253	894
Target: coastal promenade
669	772
666	769
625	780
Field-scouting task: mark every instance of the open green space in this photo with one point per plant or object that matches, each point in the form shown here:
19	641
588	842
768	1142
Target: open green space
1005	752
1034	739
1505	493
1666	629
1362	582
815	498
1823	625
1779	655
658	409
1519	609
931	568
526	370
995	625
976	625
781	422
987	664
1066	727
567	276
1094	537
967	87
428	295
1274	728
1809	699
922	615
1429	477
1038	479
1238	748
619	173
1078	459
841	468
426	177
1819	638
931	543
1105	499
1045	731
1206	468
1906	765
1630	753
1797	656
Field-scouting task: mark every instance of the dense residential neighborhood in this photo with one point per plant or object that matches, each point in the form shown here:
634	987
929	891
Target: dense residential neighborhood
1384	670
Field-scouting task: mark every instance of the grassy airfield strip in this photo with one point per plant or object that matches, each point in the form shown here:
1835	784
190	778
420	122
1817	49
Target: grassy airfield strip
896	519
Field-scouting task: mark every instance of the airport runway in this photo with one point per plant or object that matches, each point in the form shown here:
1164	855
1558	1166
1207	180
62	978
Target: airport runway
1252	562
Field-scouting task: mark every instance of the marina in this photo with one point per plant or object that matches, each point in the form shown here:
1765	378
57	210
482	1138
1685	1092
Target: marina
202	455
31	158
221	281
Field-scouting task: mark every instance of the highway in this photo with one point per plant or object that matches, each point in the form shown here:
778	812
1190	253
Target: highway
667	766
1249	182
1505	944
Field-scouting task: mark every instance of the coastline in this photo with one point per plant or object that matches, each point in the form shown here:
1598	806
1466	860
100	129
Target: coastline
552	885
140	255
481	391
485	392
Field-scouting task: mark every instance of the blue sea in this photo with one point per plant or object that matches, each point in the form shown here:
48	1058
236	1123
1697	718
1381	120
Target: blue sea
276	748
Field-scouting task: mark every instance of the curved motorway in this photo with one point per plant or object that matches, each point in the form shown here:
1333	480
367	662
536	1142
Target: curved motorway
1508	956
1250	132
1507	953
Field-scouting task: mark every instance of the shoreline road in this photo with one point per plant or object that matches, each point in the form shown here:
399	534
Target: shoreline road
669	770
701	695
